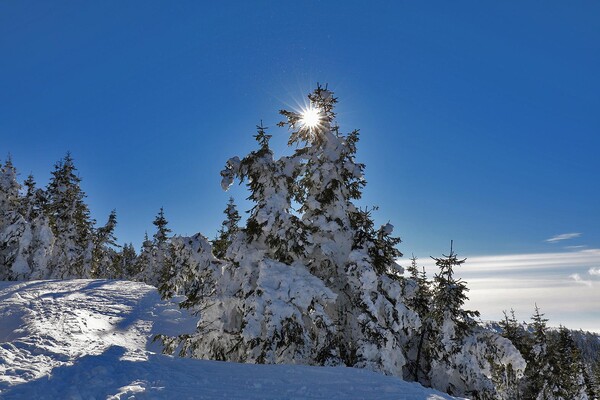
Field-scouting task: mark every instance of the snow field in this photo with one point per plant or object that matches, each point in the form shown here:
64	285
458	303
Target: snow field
92	339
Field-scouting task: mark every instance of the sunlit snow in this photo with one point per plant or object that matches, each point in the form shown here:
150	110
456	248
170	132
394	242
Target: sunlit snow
84	339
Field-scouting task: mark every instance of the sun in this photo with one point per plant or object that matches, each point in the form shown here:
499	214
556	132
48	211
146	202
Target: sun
310	118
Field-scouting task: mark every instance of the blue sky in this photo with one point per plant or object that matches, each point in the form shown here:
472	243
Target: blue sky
479	120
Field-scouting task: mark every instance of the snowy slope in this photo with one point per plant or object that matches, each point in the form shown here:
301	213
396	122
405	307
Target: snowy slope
89	339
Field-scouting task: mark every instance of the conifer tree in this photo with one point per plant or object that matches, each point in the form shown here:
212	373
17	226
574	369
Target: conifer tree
104	254
418	298
538	374
145	261
12	224
151	262
71	224
466	360
127	262
229	228
162	232
567	368
343	248
37	250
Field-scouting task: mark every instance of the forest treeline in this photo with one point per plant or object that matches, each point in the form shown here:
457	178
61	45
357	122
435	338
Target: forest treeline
307	279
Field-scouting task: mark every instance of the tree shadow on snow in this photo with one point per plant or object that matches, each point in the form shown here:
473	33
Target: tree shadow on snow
98	376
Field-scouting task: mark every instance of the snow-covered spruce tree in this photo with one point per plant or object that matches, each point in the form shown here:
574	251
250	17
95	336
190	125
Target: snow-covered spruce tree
13	227
40	238
229	228
316	285
355	260
467	359
261	304
539	379
151	261
567	368
127	262
417	293
71	224
104	256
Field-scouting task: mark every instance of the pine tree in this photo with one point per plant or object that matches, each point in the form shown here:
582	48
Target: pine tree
127	261
12	224
271	224
343	248
151	262
37	250
567	368
71	224
538	374
162	232
462	353
104	256
229	228
417	293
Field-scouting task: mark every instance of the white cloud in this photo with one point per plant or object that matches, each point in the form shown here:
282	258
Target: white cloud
577	278
564	236
594	271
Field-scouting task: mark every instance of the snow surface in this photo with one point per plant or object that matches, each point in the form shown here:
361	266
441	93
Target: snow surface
92	339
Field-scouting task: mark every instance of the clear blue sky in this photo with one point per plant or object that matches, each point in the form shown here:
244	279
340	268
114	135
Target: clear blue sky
479	121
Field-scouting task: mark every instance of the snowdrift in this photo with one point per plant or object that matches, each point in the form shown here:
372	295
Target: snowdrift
92	339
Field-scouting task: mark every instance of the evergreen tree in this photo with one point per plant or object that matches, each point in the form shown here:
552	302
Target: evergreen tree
466	359
418	293
104	256
71	224
567	368
151	263
127	262
162	232
38	248
12	224
229	228
145	261
538	374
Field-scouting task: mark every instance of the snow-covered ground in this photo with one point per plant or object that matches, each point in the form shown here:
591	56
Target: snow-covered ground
91	339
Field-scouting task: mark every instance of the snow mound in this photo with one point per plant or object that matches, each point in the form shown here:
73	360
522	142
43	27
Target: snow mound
92	339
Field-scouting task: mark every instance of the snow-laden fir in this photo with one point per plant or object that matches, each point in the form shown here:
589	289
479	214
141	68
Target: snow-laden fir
92	339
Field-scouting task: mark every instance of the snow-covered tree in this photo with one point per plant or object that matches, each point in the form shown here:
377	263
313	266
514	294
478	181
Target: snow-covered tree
71	224
127	262
355	260
104	256
151	262
229	228
316	285
13	227
567	368
417	294
467	360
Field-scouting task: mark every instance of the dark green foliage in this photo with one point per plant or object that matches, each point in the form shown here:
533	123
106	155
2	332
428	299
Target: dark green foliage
449	296
419	301
229	228
104	256
162	232
70	220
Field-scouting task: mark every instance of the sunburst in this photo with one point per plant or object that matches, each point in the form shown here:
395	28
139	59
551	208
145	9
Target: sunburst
311	118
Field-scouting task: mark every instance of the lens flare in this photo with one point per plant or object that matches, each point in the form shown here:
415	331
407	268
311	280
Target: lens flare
311	118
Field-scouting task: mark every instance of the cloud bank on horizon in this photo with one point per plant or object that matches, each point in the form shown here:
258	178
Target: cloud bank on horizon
563	284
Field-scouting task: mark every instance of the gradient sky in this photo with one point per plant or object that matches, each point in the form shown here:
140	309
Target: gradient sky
479	121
